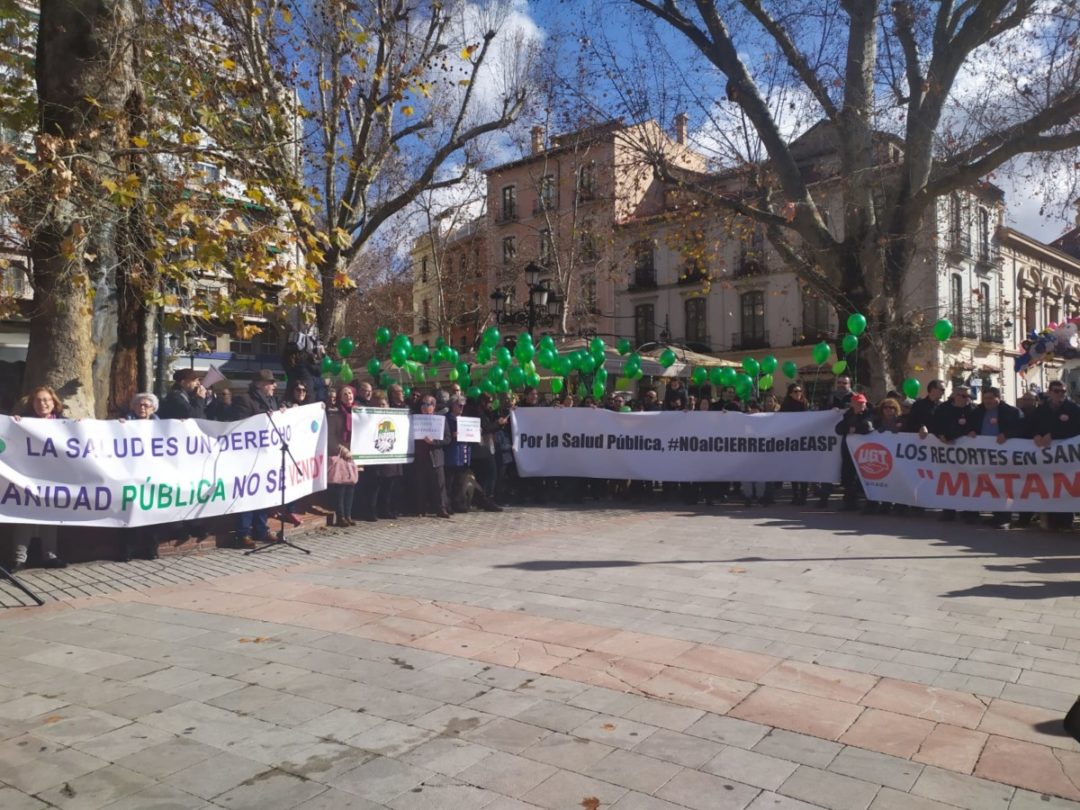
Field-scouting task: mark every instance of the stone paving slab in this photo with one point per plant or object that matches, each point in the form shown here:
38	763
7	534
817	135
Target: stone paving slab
603	657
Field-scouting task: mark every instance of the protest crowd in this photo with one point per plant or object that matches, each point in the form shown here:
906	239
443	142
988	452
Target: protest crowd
448	477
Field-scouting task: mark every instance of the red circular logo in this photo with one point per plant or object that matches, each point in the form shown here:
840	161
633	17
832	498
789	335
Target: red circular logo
874	461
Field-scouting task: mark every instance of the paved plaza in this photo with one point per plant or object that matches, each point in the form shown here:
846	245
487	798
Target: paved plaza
545	657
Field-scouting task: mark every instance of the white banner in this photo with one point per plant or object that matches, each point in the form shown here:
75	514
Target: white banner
677	446
427	426
468	430
140	472
381	436
972	474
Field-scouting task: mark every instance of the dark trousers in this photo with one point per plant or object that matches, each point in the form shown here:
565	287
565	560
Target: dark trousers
431	489
486	474
387	500
366	495
254	523
341	497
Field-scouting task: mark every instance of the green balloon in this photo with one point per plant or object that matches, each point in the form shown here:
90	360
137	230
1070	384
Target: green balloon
597	389
716	376
502	357
452	375
943	329
911	387
516	375
547	342
490	338
727	376
765	383
421	353
839	367
556	384
462	369
525	337
624	409
385	380
495	373
345	346
596	346
406	390
563	366
473	391
586	364
452	355
601	376
624	346
532	379
335	367
790	369
856	324
849	344
821	353
488	387
503	386
667	358
403	340
326	364
382	336
419	374
545	357
743	385
399	355
751	366
699	376
374	367
483	355
768	364
524	351
345	375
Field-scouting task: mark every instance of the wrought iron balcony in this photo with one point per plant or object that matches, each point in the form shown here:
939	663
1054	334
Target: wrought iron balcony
643	278
748	340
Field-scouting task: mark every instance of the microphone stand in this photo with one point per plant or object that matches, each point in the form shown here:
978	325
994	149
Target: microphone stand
279	539
14	580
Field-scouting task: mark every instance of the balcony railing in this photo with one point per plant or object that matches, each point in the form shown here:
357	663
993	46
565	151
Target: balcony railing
749	265
974	325
692	273
989	253
643	278
959	243
508	213
749	340
809	335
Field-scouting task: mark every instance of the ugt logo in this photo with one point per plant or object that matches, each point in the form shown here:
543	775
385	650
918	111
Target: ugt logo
874	461
385	436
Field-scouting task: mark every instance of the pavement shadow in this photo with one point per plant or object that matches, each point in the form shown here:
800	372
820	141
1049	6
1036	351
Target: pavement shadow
1025	589
1055	728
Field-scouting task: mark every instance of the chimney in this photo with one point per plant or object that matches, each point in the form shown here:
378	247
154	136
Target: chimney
537	139
680	128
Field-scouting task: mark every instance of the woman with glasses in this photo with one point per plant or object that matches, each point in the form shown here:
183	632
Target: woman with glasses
428	462
795	402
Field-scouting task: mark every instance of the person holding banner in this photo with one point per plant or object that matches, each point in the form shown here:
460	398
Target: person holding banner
141	541
41	403
795	402
1057	418
952	420
428	464
993	417
856	421
252	527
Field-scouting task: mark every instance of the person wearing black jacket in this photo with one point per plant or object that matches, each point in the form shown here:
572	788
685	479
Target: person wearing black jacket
952	420
429	461
855	421
992	417
252	527
920	419
842	394
675	398
187	398
795	402
1057	418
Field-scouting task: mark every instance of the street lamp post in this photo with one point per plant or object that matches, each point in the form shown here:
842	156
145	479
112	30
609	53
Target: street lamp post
543	304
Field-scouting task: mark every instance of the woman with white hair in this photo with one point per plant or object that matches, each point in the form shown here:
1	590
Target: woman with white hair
140	541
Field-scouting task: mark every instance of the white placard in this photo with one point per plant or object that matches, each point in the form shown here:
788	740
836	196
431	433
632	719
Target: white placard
427	426
381	436
468	430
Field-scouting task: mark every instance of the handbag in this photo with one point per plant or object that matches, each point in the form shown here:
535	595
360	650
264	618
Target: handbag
341	471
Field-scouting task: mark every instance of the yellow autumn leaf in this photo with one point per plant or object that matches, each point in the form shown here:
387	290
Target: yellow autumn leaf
407	109
467	51
139	141
228	64
286	15
190	138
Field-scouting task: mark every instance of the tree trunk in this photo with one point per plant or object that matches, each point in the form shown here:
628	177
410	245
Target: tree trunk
85	68
330	313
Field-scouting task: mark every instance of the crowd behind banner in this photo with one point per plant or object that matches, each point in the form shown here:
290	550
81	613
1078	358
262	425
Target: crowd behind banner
447	476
